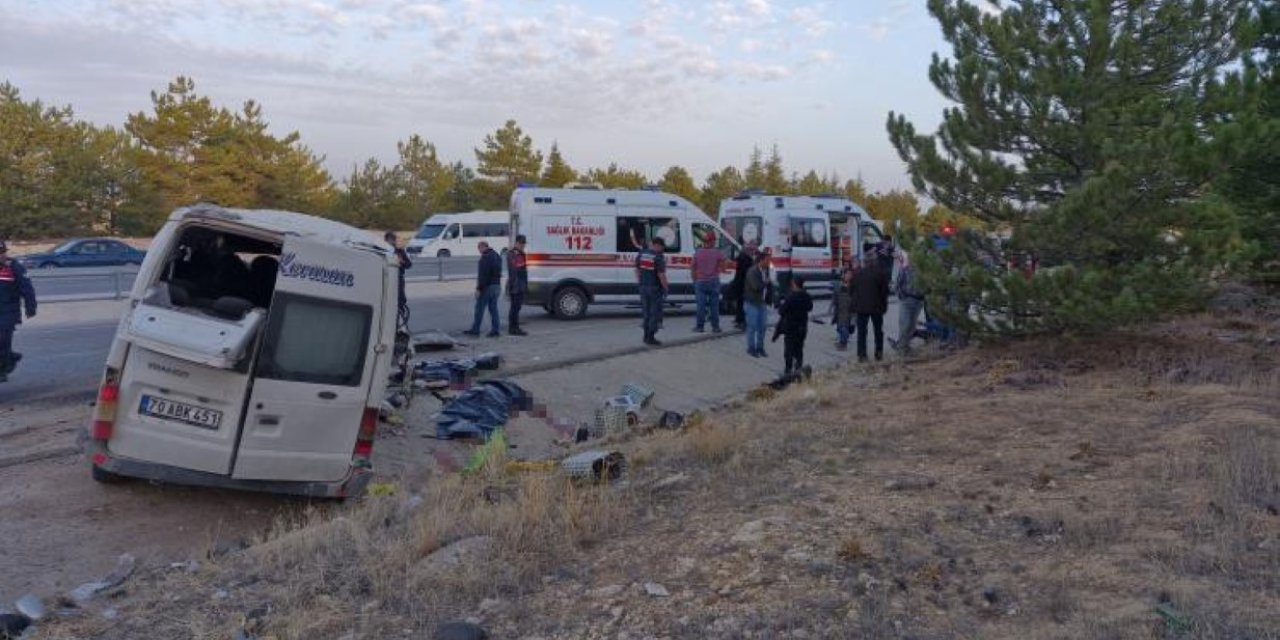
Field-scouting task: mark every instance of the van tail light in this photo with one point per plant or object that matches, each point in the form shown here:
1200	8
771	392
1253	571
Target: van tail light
368	430
104	413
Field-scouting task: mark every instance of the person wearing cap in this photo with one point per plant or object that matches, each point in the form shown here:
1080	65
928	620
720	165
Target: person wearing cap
16	297
517	285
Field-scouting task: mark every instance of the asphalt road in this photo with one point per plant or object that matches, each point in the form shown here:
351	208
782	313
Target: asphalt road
53	284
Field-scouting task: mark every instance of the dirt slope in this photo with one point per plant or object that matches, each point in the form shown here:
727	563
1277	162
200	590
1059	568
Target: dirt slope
1120	487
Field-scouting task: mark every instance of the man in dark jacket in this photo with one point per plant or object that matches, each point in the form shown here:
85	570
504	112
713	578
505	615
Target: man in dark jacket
16	295
517	285
870	302
488	289
793	322
404	264
745	261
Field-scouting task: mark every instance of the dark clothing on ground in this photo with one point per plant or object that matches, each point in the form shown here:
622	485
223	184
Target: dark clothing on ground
490	270
877	324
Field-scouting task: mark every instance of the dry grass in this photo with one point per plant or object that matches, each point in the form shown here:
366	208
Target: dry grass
1124	487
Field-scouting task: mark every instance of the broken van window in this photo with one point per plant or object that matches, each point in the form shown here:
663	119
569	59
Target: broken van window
220	274
315	340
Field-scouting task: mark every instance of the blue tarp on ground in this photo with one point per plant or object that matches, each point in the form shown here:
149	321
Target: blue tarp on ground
478	411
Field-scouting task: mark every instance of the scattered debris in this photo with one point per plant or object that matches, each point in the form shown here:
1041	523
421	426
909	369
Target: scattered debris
670	482
460	631
488	361
30	606
656	590
671	420
12	625
596	465
639	393
433	341
86	591
190	566
380	489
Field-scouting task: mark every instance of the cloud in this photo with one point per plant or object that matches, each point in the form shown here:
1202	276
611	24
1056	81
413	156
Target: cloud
812	19
588	43
765	72
877	30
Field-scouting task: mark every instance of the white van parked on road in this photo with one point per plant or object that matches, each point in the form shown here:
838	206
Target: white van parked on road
254	356
457	234
583	241
810	236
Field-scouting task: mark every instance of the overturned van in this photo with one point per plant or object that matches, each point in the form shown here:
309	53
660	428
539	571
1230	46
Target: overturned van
254	356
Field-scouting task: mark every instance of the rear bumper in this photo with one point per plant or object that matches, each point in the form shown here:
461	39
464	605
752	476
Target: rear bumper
352	485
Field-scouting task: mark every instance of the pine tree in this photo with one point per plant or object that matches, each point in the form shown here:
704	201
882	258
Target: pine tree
754	175
508	156
677	180
1080	126
810	185
557	173
424	180
775	177
615	177
721	184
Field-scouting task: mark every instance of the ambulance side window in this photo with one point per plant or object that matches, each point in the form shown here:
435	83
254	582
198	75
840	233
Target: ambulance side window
808	232
635	233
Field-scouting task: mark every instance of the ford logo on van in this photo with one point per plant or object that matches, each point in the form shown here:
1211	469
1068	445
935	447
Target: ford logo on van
290	268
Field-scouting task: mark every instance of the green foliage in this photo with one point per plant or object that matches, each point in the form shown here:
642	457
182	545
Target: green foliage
508	156
615	177
557	173
50	182
678	181
895	209
720	185
1085	128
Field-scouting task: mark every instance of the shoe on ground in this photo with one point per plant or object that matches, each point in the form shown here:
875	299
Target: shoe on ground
493	334
716	330
474	334
763	353
518	332
879	356
699	330
842	347
862	358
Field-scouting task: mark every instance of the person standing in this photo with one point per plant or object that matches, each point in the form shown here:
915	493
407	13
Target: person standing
651	275
706	283
16	297
885	255
755	299
488	289
404	264
793	324
870	301
910	301
742	264
517	285
842	308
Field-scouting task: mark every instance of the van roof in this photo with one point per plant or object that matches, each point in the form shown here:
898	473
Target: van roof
466	216
602	196
284	223
825	202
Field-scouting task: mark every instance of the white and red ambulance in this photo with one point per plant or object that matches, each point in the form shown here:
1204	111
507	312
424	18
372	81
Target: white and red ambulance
583	241
810	236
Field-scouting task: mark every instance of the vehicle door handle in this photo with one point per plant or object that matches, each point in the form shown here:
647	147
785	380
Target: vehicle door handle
327	395
269	421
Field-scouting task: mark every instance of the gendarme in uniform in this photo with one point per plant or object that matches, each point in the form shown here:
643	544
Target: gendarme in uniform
651	267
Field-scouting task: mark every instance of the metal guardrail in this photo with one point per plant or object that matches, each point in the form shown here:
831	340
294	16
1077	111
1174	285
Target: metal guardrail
115	283
117	280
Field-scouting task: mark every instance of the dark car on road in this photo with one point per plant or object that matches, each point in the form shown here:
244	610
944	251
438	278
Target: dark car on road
85	252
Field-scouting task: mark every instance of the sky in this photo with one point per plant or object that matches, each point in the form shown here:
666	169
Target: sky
644	83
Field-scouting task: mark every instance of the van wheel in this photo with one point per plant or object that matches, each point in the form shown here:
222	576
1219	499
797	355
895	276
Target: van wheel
569	303
443	253
106	477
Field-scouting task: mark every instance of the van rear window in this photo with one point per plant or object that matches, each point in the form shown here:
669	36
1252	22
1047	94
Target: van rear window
315	341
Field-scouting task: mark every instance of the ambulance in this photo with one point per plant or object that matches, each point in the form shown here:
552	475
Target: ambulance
810	236
254	355
583	241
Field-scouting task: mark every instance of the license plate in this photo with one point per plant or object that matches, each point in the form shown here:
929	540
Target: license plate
180	412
